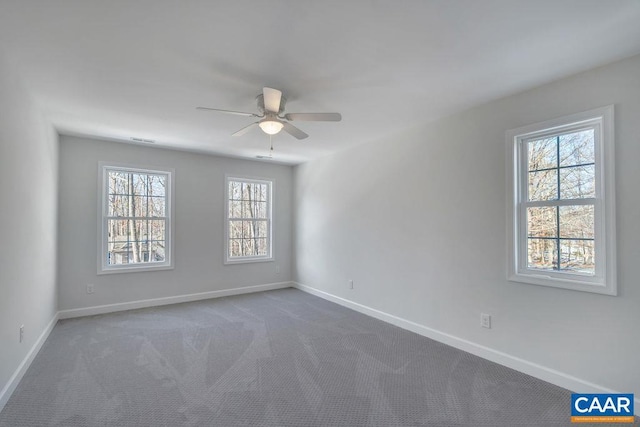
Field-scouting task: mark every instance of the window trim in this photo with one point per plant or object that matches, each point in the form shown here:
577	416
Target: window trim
248	259
168	264
604	280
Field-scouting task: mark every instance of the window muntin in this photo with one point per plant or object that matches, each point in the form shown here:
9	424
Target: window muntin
135	220
248	220
562	228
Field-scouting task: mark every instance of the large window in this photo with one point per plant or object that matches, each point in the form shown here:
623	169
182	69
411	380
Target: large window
248	228
561	203
135	224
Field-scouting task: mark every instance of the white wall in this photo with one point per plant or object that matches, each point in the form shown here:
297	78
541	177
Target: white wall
199	225
28	207
419	223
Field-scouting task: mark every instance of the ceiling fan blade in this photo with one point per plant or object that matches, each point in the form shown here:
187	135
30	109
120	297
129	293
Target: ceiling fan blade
244	129
271	99
238	113
294	131
314	117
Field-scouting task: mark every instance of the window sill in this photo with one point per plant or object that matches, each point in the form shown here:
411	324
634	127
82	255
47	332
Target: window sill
128	269
542	279
247	260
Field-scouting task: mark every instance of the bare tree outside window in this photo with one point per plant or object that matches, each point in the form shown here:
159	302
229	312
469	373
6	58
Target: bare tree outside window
136	219
561	202
249	219
561	169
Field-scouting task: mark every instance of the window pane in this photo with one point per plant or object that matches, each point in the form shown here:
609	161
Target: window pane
135	250
118	182
577	148
157	229
248	210
543	185
118	241
157	251
578	182
577	222
247	229
542	154
542	254
235	229
260	209
235	247
542	222
157	185
157	206
235	209
254	191
248	247
139	232
139	184
245	190
117	230
139	205
262	195
261	246
577	256
118	256
118	205
261	229
235	190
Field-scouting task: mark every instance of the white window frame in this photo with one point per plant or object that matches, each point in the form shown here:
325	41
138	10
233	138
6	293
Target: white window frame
248	259
604	279
103	206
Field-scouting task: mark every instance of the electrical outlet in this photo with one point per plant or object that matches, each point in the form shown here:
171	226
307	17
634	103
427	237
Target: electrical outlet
90	288
485	320
350	284
21	333
277	268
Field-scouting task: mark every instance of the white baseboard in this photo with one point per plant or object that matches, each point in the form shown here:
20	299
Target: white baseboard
154	302
538	371
13	382
546	374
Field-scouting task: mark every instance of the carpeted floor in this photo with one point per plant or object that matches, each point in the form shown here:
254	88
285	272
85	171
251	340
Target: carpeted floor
277	358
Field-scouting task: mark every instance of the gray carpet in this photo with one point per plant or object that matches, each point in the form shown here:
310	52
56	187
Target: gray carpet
278	358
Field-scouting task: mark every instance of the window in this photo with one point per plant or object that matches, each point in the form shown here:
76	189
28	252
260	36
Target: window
561	203
248	210
135	221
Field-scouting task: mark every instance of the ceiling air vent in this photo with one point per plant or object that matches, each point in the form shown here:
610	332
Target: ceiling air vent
148	141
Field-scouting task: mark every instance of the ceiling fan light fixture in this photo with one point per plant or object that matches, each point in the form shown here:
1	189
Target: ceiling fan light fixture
271	127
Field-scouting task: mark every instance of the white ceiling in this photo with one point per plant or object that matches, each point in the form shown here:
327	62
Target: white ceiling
118	69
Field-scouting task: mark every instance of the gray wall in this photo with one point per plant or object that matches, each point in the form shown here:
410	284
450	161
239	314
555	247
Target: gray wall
419	223
199	225
28	207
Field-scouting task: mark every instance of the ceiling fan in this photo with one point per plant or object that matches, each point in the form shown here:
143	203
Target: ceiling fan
272	120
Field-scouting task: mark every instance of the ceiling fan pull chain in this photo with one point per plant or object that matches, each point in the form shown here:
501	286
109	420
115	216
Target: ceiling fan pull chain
271	143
